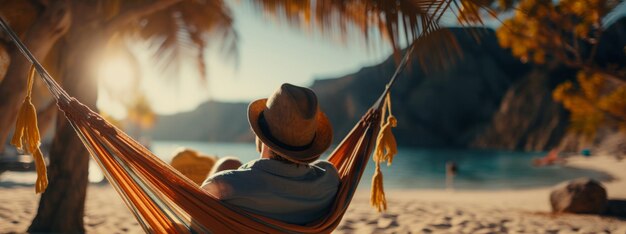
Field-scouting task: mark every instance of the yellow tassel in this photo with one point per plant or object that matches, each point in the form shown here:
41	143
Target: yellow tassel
386	146
26	137
377	196
386	149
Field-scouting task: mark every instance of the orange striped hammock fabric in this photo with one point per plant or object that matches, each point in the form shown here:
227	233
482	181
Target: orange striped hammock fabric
165	201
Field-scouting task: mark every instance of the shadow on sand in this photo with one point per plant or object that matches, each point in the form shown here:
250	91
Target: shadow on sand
616	208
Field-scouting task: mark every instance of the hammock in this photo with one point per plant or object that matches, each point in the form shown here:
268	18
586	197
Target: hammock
165	201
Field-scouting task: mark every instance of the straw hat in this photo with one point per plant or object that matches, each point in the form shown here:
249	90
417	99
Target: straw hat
291	123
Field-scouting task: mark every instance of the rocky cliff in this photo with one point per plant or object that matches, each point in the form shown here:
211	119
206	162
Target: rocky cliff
527	119
211	121
439	108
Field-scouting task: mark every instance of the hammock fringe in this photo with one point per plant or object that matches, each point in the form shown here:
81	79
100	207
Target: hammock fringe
386	149
26	137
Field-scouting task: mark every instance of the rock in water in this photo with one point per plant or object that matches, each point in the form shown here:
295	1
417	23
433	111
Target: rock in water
581	195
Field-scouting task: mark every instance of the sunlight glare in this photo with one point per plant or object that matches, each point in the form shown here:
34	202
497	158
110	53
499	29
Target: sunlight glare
116	73
117	79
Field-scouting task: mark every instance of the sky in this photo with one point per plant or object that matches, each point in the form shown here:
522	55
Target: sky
270	53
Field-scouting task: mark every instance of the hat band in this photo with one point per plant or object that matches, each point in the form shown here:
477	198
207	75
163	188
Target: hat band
266	131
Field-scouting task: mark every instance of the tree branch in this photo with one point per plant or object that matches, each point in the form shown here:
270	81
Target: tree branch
561	54
594	48
613	77
127	16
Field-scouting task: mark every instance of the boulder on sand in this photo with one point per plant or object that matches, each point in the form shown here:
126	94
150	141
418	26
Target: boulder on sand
581	195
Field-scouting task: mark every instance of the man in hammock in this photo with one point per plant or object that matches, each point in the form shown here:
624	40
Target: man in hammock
286	182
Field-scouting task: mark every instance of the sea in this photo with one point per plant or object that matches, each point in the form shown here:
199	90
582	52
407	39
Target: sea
412	168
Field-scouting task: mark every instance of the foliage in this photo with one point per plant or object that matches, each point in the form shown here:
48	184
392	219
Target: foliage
568	32
395	21
141	113
566	29
592	103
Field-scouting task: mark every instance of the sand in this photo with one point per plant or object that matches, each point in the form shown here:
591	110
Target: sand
410	211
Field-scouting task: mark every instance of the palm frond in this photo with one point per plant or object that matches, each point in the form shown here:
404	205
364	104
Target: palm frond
395	21
184	30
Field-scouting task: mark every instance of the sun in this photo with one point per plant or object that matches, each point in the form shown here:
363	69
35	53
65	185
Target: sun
117	74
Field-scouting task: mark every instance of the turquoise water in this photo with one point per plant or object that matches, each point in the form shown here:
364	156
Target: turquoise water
411	168
425	168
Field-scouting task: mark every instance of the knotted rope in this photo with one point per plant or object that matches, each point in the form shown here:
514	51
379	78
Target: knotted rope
26	137
386	149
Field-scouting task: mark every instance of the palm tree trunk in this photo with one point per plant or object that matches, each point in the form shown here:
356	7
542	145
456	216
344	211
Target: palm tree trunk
62	205
45	117
40	39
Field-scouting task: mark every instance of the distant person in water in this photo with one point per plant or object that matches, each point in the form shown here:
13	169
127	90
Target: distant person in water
550	159
286	183
451	171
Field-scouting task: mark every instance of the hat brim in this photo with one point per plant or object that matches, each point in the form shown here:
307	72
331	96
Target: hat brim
321	142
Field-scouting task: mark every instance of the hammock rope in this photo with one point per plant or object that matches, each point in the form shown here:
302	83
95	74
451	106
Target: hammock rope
163	200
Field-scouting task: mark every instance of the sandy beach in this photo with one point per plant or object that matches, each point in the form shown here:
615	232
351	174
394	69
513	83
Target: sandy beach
410	211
